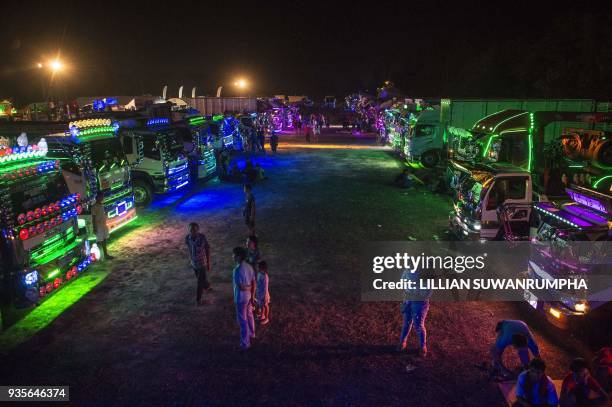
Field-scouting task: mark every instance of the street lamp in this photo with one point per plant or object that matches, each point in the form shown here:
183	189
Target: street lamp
240	83
56	66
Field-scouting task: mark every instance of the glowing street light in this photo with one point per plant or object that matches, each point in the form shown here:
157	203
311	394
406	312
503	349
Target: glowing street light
240	83
56	66
39	65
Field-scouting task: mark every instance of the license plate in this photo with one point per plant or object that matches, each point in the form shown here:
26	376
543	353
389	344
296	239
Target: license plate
531	298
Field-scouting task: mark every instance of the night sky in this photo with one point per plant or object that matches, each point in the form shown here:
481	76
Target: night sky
427	49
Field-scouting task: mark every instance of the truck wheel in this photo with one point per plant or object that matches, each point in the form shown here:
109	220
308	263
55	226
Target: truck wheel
430	159
143	193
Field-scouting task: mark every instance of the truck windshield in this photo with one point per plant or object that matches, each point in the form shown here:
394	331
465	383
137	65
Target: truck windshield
172	143
107	151
426	130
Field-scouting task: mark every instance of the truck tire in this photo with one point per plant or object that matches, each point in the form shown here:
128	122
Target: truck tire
430	159
143	193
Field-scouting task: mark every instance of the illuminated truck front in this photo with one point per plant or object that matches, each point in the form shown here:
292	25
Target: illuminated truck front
572	240
203	152
175	166
108	171
41	244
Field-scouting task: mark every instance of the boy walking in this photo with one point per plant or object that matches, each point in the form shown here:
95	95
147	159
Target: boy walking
199	254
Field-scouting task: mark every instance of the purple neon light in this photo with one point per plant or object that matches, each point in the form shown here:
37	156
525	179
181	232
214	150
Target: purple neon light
547	207
585	200
586	214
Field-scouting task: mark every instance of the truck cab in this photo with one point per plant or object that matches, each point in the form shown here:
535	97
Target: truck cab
572	239
93	161
425	142
481	191
154	150
41	245
198	145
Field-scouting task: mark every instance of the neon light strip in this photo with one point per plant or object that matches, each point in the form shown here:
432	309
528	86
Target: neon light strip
58	241
596	184
486	149
510	118
530	141
60	252
52	274
549	213
124	224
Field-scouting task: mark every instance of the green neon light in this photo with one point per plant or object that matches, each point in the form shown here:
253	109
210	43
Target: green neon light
596	184
530	140
486	149
22	164
196	120
60	252
576	166
54	243
53	273
100	130
51	308
123	225
96	136
509	118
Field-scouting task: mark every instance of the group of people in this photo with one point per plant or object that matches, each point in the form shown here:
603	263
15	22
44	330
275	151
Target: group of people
249	277
313	126
533	387
250	174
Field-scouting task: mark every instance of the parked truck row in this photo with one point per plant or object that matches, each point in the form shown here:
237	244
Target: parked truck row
51	172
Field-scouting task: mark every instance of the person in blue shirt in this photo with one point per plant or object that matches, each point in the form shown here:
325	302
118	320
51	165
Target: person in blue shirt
414	312
516	334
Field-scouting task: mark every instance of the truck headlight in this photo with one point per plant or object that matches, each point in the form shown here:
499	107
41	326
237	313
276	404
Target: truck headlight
581	306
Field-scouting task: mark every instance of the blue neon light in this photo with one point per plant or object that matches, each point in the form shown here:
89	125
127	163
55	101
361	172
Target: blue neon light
99	105
31	278
156	121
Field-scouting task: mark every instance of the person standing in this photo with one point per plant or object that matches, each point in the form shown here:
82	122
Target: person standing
261	139
244	283
199	254
274	142
249	209
263	295
414	312
253	254
98	215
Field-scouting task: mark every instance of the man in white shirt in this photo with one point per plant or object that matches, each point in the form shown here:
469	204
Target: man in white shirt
244	293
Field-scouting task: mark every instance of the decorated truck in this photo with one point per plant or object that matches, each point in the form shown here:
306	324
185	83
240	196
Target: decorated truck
41	245
445	132
154	149
573	240
198	145
93	162
526	157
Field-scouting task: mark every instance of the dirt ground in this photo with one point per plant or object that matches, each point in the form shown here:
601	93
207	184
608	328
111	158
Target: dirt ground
139	339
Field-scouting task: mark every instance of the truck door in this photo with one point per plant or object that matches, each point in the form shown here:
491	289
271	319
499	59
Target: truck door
129	147
506	190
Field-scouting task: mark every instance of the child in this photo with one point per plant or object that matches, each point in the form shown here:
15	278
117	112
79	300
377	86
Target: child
253	254
263	295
